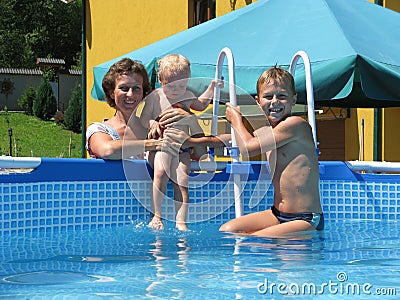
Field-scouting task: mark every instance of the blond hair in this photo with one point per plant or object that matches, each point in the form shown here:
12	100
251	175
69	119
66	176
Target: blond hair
173	64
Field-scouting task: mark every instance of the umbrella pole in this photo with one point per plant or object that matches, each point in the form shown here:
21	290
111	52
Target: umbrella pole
233	150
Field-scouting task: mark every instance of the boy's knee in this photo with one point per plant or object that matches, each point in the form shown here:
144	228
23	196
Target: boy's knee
225	227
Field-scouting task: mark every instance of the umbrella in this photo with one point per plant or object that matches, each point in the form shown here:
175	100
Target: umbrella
353	46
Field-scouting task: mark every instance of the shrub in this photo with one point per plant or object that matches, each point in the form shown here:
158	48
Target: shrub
45	103
73	114
26	100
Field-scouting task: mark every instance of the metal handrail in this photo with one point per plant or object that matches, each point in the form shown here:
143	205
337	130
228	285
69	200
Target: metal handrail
309	89
227	53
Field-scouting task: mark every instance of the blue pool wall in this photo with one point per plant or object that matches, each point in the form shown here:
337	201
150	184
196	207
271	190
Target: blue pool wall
74	194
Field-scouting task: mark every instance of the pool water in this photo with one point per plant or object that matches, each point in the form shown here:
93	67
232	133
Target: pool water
354	259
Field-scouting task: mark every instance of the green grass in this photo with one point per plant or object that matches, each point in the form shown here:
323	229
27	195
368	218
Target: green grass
33	137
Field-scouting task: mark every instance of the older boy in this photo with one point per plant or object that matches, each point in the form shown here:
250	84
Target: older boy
288	143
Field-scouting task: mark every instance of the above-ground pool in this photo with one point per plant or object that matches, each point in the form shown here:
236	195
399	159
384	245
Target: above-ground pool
357	259
76	229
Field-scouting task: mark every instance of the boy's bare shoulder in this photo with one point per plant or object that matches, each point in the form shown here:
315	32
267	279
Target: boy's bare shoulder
295	125
294	122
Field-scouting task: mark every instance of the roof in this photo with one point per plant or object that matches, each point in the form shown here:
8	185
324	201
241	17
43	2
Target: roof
75	72
15	71
50	61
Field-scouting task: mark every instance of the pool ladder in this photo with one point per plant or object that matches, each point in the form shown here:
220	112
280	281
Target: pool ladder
233	151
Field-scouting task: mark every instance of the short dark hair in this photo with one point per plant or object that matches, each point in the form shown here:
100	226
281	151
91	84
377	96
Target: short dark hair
125	66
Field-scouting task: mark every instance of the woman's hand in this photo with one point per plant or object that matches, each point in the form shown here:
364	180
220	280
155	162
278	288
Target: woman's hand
176	137
171	141
174	116
155	131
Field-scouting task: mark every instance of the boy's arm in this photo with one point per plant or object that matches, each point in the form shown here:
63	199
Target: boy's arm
180	139
266	138
209	141
249	145
204	99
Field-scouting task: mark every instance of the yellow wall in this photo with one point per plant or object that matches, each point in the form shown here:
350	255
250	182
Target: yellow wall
114	28
391	134
392	4
388	128
368	115
352	135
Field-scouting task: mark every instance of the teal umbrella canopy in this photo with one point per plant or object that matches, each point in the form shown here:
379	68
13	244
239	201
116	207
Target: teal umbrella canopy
353	46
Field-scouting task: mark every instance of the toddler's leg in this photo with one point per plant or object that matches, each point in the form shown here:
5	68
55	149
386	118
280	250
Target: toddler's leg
161	166
181	190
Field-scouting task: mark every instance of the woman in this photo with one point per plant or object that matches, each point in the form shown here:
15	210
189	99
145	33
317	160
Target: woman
125	85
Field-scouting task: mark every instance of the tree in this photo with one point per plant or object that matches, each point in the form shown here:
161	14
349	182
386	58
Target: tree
45	103
43	28
73	114
27	99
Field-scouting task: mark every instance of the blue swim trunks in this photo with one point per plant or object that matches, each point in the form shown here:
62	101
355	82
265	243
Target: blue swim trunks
315	219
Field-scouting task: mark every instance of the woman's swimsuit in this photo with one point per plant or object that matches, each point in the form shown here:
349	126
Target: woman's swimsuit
104	128
315	219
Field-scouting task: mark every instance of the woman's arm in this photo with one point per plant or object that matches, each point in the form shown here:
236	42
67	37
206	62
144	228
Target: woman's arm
182	140
179	139
198	151
103	146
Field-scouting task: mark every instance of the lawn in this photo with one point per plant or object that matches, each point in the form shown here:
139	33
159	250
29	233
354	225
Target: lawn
37	138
